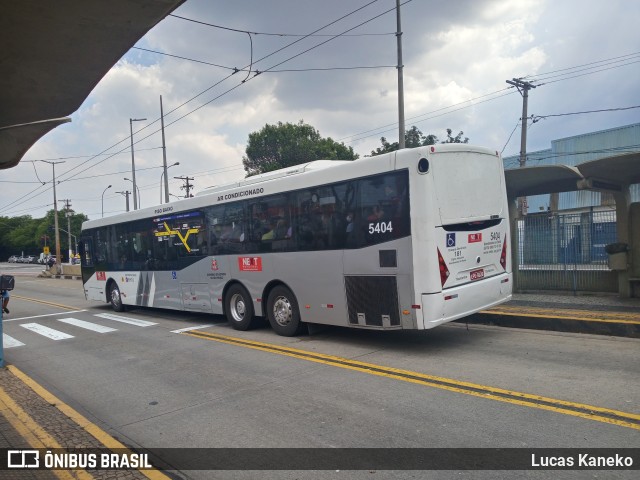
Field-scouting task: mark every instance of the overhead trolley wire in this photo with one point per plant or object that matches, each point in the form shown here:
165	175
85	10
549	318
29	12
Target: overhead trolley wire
276	34
65	175
267	71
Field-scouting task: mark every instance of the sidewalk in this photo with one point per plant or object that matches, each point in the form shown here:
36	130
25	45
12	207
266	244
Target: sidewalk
595	314
32	418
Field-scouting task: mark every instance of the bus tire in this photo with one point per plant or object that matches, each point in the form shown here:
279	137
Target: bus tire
239	308
283	312
115	297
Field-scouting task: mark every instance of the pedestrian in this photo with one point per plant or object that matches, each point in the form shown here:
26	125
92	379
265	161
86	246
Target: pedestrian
5	300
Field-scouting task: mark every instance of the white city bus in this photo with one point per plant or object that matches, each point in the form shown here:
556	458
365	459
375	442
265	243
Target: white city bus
406	240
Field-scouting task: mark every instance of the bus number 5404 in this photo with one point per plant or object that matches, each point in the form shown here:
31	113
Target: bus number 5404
380	227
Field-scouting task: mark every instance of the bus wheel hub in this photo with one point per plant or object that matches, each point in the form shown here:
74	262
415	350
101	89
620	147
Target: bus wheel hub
282	311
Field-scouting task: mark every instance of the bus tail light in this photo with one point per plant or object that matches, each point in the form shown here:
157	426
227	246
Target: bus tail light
503	255
444	271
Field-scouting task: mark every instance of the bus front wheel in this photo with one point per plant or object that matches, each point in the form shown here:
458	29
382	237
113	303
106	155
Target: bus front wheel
116	298
239	308
283	312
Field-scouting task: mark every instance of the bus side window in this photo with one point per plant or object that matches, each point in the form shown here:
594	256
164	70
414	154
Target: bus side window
271	221
85	251
383	211
232	230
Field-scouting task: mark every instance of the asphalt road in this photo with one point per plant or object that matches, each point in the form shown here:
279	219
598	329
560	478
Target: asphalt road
150	386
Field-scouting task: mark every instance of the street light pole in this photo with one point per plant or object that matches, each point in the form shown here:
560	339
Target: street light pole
133	162
166	183
55	214
103	199
164	158
135	187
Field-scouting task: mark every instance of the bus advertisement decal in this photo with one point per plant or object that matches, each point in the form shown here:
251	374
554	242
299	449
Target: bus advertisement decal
101	276
250	264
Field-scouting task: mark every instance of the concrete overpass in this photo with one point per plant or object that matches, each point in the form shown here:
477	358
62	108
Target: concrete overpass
54	53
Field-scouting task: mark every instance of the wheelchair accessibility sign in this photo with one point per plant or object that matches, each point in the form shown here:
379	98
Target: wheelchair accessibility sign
451	240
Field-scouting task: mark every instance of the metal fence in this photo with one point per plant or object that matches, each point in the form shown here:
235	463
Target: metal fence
566	251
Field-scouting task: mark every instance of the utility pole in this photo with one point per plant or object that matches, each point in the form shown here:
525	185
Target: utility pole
164	156
68	213
523	87
55	214
400	80
126	194
187	186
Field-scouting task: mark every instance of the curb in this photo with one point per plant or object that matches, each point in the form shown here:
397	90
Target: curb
593	327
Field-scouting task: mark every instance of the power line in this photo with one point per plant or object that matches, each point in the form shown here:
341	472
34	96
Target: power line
83	156
213	86
618	59
583	74
278	64
274	34
415	117
379	132
377	129
235	70
537	118
508	139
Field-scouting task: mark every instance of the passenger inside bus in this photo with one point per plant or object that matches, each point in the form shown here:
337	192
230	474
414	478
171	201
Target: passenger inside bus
271	233
376	214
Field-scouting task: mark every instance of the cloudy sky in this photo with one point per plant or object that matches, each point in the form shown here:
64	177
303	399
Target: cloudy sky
583	56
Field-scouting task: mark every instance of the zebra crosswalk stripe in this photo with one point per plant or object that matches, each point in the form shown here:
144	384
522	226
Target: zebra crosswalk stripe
130	321
46	331
87	325
10	342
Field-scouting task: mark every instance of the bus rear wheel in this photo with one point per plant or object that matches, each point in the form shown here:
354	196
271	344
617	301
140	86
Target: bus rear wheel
116	298
239	308
283	312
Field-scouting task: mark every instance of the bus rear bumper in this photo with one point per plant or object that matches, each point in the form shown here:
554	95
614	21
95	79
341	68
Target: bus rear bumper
454	303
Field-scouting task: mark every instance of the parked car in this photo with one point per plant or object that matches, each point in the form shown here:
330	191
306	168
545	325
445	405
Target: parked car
13	259
30	259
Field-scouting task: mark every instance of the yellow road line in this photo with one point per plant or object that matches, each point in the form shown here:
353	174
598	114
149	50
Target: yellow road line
605	415
587	316
34	434
35	300
96	432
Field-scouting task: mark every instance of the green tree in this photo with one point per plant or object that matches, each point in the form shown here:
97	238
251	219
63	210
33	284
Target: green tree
17	235
46	227
415	138
457	139
25	234
287	144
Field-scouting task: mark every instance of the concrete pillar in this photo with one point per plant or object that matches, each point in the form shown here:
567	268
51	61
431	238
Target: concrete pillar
623	227
514	216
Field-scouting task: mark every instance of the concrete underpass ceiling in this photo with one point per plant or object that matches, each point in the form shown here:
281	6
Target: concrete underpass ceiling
616	171
541	179
609	174
54	53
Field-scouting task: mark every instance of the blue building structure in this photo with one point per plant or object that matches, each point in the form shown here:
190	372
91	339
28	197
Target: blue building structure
574	151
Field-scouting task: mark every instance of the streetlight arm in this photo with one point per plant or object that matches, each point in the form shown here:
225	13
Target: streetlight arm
103	199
